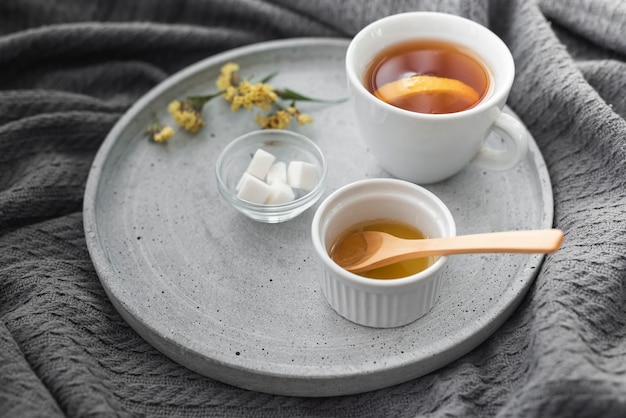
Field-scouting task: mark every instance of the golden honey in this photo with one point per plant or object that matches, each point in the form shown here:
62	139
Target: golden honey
393	227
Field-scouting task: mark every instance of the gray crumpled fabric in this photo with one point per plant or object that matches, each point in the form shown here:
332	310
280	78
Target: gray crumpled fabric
69	69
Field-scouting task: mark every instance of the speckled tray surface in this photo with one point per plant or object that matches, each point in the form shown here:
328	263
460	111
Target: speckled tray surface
238	300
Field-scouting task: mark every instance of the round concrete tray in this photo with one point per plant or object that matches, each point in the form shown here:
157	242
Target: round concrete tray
238	300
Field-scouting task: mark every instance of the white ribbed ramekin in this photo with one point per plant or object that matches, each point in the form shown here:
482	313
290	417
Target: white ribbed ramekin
374	302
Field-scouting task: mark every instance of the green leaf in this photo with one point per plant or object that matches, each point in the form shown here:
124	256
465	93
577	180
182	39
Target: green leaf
197	102
288	94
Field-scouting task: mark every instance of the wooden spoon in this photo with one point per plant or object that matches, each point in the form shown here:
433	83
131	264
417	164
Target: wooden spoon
367	250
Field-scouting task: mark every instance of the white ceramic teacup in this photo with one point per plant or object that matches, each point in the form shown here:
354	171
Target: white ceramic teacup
374	302
426	148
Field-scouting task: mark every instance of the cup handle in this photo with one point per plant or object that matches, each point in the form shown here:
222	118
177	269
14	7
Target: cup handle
515	138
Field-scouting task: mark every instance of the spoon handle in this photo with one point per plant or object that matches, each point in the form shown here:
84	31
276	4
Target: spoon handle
531	241
382	249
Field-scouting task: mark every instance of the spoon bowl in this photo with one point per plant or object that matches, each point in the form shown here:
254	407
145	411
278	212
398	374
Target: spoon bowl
363	251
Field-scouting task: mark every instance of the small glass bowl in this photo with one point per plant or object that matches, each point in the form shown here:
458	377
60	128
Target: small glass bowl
286	146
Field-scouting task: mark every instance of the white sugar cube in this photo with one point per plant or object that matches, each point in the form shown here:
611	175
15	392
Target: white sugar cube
302	175
252	189
280	193
261	163
242	179
278	172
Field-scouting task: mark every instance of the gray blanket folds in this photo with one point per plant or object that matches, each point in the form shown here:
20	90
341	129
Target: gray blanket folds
70	68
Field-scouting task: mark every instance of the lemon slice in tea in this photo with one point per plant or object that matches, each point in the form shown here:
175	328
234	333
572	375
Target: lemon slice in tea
426	84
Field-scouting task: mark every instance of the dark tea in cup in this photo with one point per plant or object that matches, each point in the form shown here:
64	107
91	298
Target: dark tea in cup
427	76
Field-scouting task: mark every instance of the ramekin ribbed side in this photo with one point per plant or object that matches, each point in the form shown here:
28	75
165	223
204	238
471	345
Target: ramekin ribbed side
381	310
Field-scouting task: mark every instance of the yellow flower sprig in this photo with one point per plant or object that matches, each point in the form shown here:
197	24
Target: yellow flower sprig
159	132
240	93
186	116
281	118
